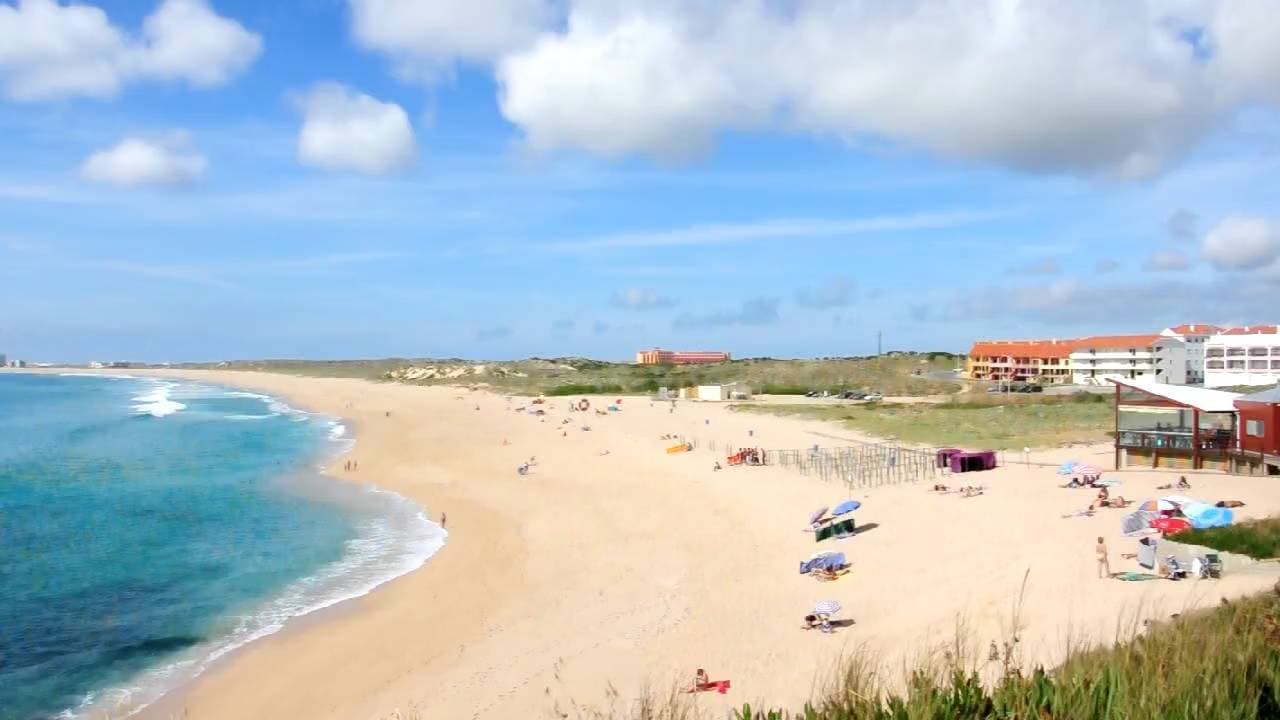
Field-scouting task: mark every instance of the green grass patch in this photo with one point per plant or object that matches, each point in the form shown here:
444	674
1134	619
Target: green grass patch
1257	538
977	422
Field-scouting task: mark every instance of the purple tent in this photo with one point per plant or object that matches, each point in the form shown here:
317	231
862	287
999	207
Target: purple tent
973	461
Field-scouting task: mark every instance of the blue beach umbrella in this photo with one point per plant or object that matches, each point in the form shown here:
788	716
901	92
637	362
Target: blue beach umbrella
846	507
1068	467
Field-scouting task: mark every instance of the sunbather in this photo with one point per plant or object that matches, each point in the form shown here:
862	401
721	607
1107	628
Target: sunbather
940	488
1182	484
973	491
810	622
1229	504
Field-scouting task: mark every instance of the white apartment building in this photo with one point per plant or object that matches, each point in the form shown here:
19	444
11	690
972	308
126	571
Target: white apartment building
1193	337
1243	356
1122	357
1171	358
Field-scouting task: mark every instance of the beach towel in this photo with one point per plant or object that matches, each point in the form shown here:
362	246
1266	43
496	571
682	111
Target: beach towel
1134	576
720	686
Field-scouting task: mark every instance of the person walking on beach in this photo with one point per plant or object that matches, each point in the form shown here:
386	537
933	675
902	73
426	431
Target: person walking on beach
444	520
1104	564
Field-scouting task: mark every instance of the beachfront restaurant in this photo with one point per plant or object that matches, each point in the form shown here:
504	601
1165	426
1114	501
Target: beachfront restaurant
1159	425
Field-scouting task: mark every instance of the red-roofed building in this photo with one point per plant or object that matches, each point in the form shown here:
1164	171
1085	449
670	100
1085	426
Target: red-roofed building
1243	356
1180	352
658	356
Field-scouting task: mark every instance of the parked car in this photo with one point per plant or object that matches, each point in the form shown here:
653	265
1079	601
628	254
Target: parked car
1036	388
873	397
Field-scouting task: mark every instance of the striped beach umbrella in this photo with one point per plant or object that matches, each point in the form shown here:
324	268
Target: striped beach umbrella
1088	470
826	607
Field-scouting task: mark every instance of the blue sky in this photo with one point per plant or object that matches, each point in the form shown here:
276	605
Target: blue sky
503	178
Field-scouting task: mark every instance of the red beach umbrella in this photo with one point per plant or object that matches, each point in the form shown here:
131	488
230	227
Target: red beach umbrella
1169	525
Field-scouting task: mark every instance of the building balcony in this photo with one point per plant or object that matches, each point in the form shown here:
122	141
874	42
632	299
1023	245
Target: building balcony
1177	439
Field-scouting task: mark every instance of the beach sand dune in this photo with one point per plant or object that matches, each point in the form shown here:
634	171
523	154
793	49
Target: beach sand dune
612	566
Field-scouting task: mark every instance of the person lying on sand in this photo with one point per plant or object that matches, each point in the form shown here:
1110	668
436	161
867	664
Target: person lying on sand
1229	504
827	574
810	622
1075	483
941	488
972	491
1181	485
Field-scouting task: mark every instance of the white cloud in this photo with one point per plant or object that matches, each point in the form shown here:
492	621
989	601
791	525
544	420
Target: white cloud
185	39
1243	243
50	51
791	228
1166	261
426	34
995	81
640	299
756	311
137	161
837	291
346	130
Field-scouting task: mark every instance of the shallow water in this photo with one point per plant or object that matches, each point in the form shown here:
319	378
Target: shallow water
148	527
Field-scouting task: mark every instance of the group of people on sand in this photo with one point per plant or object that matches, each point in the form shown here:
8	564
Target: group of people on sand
351	465
966	491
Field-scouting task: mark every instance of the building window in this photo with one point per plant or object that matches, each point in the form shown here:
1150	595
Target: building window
1213	352
1275	364
1257	364
1235	364
1213	364
1235	352
1255	428
1257	352
1275	351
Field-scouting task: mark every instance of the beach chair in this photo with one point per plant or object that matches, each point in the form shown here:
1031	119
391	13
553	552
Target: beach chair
1176	570
1208	565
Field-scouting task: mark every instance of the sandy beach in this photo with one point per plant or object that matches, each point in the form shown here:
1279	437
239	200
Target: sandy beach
612	566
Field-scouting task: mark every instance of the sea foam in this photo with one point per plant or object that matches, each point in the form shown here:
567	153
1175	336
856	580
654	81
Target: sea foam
157	402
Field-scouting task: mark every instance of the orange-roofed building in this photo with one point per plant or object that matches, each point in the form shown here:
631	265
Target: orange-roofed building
1100	358
1038	361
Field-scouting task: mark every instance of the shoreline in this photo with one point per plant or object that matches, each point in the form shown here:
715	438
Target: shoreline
323	462
615	567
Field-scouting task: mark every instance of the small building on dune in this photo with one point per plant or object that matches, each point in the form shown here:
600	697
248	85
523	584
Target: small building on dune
717	393
1260	431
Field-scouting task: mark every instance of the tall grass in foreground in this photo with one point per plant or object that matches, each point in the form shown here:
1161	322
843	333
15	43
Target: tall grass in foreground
1222	663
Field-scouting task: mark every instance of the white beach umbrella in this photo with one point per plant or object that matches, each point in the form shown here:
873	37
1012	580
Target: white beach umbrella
826	607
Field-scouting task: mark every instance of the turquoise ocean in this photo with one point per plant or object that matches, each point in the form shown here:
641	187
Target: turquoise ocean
149	527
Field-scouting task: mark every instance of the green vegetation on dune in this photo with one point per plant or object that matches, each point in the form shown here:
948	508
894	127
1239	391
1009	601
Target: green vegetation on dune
890	374
998	423
1257	538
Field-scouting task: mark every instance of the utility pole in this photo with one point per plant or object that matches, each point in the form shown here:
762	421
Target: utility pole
878	347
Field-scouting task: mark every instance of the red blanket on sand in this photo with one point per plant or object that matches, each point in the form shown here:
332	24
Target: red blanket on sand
720	686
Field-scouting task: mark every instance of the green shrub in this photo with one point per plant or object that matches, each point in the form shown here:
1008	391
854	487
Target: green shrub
1257	538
